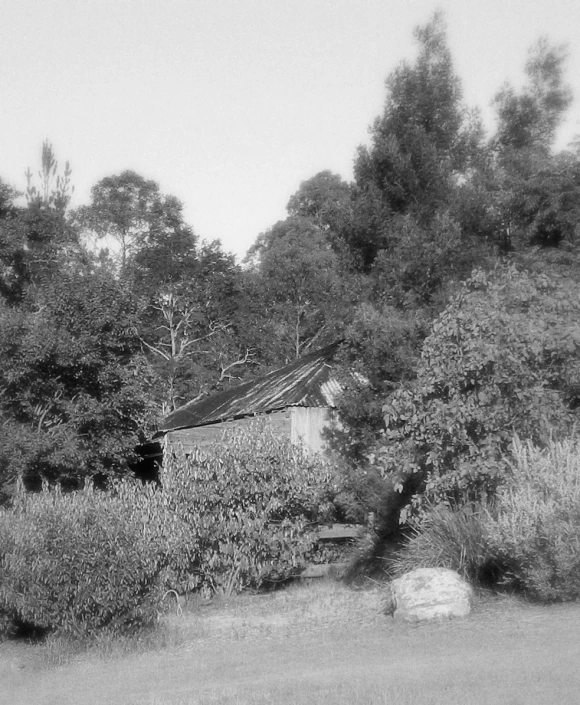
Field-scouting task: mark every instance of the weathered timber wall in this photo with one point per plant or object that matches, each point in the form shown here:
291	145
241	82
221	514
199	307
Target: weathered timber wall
202	436
298	423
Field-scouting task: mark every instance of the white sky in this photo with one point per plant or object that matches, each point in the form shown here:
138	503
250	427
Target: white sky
230	104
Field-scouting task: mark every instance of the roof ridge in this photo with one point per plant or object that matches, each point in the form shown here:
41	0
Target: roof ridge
275	389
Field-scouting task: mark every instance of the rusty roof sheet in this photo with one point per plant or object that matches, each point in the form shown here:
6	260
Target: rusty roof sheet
304	382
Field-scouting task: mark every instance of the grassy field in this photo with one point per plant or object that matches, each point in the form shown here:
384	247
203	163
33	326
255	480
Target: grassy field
317	644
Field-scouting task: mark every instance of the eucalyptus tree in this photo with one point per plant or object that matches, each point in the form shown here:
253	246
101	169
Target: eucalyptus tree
296	275
531	182
419	146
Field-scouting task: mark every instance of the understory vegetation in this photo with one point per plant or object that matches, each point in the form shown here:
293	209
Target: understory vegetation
238	516
527	539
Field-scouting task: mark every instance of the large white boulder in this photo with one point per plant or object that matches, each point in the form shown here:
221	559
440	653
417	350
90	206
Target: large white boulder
429	593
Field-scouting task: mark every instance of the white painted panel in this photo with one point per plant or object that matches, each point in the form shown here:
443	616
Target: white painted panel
307	425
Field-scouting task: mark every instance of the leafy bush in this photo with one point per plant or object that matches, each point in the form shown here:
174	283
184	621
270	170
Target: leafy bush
500	359
535	532
243	512
233	517
76	563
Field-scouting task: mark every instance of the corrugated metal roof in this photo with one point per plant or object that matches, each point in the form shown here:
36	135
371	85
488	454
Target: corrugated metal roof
304	382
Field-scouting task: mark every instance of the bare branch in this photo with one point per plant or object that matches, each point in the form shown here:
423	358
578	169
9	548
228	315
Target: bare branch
160	352
308	344
240	361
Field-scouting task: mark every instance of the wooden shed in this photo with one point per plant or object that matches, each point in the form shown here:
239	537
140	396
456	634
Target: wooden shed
298	400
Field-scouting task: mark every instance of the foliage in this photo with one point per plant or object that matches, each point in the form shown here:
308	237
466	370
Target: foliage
74	386
76	563
237	516
528	540
498	361
244	510
297	273
529	120
414	271
546	202
450	538
379	351
535	530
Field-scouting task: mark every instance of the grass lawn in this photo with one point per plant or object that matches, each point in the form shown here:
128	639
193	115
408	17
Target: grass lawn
313	644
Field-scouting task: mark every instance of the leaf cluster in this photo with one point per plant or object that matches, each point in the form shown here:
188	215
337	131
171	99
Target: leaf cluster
496	363
74	386
76	563
245	510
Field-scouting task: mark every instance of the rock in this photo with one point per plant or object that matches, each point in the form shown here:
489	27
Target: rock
428	593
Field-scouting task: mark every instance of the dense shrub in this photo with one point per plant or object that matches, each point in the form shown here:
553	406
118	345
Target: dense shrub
243	511
535	531
236	516
528	541
77	563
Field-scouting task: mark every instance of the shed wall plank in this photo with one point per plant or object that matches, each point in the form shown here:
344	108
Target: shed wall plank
203	436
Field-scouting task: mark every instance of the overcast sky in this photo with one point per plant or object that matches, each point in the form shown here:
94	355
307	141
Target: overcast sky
230	104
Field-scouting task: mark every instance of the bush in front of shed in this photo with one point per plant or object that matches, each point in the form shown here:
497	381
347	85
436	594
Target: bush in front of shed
77	563
245	511
236	516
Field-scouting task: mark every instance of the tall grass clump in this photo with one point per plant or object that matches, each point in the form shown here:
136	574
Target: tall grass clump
535	531
77	563
449	538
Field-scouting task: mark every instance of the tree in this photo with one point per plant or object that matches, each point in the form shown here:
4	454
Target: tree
529	121
532	185
191	328
181	285
380	350
296	272
74	386
37	240
13	248
147	226
325	199
422	262
547	204
167	251
424	140
418	136
503	358
55	189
